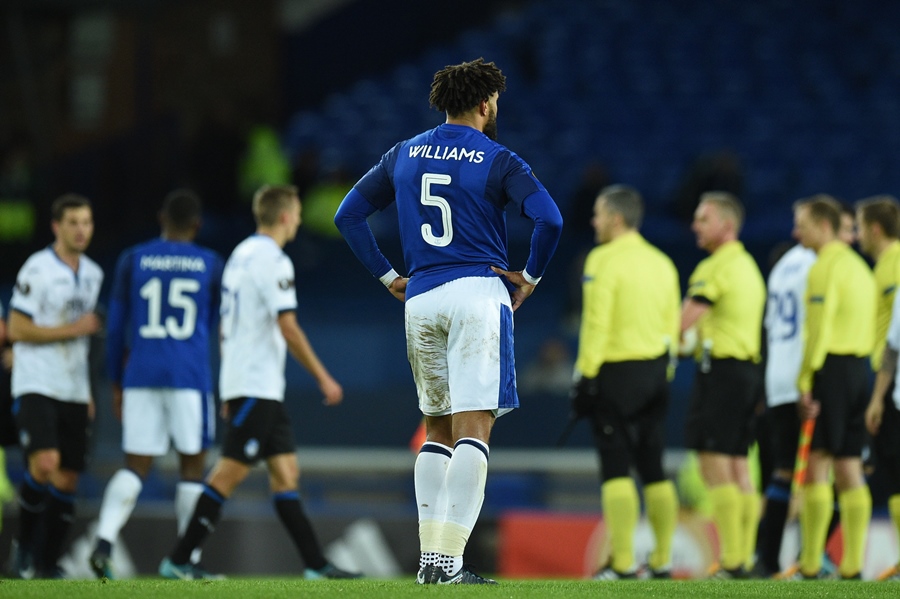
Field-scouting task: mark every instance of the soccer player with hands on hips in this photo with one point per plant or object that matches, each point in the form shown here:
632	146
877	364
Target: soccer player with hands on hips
451	185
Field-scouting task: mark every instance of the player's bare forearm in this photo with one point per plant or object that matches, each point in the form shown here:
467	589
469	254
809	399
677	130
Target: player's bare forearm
691	311
523	289
23	329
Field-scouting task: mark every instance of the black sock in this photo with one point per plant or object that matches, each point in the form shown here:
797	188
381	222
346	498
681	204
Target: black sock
203	521
103	547
771	527
290	510
32	503
59	517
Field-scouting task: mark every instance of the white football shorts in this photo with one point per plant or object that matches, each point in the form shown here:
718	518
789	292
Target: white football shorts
459	341
151	417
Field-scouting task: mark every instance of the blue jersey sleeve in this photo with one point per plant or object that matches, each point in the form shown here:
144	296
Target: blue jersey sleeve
541	209
117	318
350	220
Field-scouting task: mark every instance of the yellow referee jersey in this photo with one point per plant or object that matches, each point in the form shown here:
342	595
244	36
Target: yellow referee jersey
887	276
840	309
730	281
631	304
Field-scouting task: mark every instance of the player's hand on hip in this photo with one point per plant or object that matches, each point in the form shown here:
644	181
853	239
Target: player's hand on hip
807	407
874	413
332	391
523	289
398	288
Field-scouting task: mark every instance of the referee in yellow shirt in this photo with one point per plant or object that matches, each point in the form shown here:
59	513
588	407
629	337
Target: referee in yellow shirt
725	301
879	229
629	322
834	386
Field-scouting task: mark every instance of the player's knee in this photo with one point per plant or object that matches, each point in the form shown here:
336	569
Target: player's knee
42	465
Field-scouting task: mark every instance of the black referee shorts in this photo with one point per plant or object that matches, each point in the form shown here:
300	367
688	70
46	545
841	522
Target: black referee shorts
257	429
628	419
723	404
843	387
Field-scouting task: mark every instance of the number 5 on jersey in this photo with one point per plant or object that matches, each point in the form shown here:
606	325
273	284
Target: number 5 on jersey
430	199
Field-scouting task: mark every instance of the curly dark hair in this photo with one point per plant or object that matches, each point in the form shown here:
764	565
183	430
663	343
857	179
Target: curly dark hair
458	88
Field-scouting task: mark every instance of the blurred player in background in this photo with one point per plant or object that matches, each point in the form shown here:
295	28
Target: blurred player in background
879	228
834	385
162	313
784	322
8	435
52	315
259	325
451	185
725	300
630	321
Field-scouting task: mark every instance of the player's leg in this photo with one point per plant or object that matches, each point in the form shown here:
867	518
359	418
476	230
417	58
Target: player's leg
426	348
250	420
188	491
190	422
481	383
283	483
119	499
464	486
430	474
619	496
783	428
855	503
660	495
818	506
144	436
36	420
887	451
73	423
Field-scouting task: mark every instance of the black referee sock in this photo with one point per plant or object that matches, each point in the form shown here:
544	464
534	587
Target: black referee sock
32	503
290	510
59	517
771	527
203	521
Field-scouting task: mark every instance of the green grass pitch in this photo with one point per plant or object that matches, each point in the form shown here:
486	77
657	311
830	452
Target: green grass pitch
288	588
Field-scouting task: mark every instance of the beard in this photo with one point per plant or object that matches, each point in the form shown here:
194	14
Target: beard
490	128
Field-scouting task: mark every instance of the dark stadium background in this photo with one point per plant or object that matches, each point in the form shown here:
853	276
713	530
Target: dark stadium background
124	100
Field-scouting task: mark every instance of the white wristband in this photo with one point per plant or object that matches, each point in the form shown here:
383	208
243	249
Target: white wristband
389	277
529	278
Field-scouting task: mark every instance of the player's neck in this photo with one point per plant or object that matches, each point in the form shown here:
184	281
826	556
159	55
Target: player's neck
69	257
276	234
466	120
881	245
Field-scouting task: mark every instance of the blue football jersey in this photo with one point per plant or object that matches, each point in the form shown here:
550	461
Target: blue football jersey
451	184
163	309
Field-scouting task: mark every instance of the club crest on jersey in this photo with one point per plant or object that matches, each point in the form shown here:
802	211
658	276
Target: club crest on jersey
251	448
286	284
24	288
24	438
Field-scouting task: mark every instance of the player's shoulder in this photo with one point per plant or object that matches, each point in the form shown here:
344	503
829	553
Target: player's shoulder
90	264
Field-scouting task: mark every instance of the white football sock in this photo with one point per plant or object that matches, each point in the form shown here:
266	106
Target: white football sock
119	498
466	477
186	494
429	474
